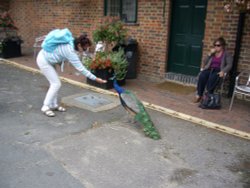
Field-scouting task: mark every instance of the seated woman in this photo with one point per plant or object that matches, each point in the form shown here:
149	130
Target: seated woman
218	62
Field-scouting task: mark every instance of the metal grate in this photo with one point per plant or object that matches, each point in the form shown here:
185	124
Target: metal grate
181	78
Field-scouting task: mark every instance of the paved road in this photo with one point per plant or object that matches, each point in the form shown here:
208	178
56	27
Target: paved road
106	149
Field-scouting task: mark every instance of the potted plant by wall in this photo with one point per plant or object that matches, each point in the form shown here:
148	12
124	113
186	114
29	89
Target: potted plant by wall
10	42
105	65
106	62
110	32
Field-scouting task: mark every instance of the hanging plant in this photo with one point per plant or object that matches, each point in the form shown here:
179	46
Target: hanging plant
241	5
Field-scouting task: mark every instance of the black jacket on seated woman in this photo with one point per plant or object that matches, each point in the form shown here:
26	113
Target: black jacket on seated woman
216	64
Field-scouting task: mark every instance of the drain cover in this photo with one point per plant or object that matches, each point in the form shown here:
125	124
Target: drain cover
91	101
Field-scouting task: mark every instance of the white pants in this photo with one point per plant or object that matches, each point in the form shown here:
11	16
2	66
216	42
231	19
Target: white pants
50	73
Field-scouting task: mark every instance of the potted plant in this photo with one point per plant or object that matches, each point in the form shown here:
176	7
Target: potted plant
10	43
107	64
110	32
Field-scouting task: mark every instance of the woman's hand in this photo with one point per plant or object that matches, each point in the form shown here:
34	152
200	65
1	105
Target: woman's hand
101	81
212	51
221	74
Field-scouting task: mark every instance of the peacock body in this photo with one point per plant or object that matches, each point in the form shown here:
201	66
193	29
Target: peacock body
134	106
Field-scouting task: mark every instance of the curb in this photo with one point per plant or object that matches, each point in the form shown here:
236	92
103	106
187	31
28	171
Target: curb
161	109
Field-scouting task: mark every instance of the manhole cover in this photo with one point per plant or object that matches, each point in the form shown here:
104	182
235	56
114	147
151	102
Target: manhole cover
91	101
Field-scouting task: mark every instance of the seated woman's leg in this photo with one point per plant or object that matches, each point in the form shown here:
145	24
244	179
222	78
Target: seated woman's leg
202	82
213	81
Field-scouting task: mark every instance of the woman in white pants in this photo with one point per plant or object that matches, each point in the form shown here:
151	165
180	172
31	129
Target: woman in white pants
46	60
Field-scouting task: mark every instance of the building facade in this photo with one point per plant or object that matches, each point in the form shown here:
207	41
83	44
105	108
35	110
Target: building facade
173	36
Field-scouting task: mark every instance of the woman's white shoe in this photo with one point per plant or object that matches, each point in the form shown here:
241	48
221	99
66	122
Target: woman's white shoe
59	109
49	113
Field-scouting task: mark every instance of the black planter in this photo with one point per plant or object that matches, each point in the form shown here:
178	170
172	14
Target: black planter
11	48
121	82
131	52
104	74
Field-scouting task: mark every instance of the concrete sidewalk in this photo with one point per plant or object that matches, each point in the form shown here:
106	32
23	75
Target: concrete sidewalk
104	149
236	122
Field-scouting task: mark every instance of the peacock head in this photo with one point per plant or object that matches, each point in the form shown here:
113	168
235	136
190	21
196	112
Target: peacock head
113	78
118	88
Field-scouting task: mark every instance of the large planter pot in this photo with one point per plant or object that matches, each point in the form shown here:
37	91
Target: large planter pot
104	74
11	48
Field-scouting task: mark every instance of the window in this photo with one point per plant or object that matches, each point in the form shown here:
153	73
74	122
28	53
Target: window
125	9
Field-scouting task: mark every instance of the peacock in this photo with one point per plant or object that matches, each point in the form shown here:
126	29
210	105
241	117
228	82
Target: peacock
135	107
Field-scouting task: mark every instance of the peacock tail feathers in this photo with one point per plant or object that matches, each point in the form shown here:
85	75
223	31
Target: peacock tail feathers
130	100
148	126
134	106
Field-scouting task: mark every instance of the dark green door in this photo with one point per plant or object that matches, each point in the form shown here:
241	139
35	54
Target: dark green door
186	35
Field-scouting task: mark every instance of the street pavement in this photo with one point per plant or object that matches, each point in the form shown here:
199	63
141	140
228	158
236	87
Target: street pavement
106	149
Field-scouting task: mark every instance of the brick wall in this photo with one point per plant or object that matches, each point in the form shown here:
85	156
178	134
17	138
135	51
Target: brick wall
35	18
220	23
152	37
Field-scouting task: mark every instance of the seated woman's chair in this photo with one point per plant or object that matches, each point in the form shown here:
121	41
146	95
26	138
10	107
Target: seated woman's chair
242	86
220	86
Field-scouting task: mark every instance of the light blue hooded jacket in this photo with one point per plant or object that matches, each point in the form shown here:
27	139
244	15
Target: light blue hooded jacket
58	46
56	37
